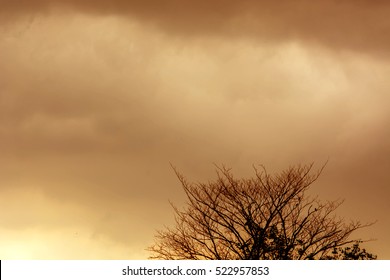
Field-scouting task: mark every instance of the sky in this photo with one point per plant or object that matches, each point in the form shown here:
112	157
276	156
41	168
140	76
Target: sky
99	98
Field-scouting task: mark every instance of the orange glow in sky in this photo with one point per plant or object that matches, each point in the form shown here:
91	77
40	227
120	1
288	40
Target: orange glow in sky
98	98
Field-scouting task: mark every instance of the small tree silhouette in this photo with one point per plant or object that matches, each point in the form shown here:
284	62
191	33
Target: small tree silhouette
264	217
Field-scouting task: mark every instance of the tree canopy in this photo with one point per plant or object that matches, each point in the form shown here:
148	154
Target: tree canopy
264	217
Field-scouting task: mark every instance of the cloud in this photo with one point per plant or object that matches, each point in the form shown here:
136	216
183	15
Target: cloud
352	25
94	108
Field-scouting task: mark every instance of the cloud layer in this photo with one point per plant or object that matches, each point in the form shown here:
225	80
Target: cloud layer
97	100
353	25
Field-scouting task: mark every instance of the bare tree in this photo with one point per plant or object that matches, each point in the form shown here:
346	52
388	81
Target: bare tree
264	217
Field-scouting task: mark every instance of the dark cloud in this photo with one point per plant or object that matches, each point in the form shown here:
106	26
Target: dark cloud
355	25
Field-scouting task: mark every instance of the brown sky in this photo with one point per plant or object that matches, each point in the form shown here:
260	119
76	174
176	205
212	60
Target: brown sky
98	97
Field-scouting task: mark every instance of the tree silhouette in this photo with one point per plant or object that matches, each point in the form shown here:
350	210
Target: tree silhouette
264	217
